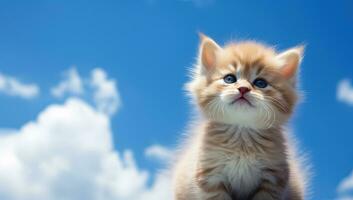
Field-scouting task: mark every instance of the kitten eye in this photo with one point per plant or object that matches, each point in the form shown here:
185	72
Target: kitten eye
260	83
230	78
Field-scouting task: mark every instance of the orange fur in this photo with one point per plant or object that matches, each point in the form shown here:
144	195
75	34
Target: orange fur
239	149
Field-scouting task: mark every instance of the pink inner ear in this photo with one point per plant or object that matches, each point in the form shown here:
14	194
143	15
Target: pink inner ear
289	70
208	53
291	58
208	58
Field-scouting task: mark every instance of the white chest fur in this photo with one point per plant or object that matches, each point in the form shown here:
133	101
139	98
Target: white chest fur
238	167
242	172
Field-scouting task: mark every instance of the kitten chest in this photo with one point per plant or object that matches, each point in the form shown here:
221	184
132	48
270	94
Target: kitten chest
241	172
238	156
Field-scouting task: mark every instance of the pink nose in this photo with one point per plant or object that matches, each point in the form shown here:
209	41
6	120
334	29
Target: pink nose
243	90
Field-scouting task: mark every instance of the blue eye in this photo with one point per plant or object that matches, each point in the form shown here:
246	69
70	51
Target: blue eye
230	78
260	83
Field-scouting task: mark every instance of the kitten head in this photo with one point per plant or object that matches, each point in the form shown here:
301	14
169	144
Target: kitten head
246	84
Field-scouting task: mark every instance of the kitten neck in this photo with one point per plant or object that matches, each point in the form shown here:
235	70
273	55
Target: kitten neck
215	124
232	137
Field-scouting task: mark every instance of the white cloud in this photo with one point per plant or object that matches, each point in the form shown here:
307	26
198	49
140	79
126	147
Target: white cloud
103	89
7	131
67	153
159	152
105	94
160	190
345	188
13	87
345	94
71	84
346	184
345	91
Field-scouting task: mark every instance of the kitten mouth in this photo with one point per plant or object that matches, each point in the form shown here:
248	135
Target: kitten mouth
242	100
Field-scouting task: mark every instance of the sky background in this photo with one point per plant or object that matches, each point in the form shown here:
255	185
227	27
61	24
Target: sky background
128	60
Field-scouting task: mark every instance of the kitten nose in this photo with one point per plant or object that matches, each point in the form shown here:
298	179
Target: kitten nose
243	90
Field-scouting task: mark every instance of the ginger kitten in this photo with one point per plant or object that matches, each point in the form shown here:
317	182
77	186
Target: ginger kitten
245	92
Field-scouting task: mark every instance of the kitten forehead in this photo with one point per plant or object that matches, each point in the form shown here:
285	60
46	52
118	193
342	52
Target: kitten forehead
248	54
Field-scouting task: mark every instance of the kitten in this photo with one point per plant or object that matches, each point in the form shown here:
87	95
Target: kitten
245	92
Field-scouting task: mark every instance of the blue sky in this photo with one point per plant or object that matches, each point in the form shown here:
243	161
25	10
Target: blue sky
147	46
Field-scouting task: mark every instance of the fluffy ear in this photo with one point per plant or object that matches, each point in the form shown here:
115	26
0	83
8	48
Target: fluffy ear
208	52
290	61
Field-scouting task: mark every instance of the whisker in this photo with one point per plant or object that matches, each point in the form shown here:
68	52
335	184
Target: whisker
278	104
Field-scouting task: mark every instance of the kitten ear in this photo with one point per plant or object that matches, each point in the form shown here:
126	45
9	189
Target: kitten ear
208	52
290	61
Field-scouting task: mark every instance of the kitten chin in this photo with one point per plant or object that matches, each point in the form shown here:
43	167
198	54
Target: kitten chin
246	92
251	118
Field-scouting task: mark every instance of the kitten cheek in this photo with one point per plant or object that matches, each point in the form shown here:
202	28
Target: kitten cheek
256	98
227	98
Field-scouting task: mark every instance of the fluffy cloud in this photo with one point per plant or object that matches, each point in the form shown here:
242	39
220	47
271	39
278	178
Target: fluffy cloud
71	84
345	188
345	91
159	152
346	184
13	87
345	94
105	94
67	152
104	90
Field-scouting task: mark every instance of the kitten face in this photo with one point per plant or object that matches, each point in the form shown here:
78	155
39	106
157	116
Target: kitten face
246	84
